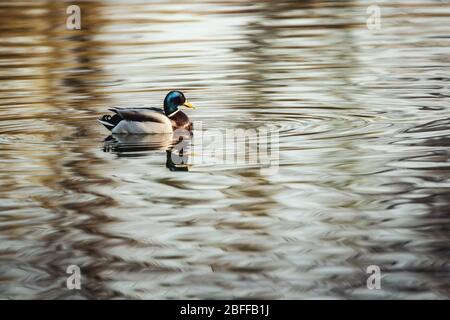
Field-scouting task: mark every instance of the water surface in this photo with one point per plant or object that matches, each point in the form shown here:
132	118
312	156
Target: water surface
364	135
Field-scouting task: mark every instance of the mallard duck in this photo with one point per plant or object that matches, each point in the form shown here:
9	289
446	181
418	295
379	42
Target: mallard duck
150	120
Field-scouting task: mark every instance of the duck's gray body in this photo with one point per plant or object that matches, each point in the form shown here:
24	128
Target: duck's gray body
145	121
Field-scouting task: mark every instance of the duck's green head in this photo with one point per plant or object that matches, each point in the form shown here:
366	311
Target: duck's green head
174	100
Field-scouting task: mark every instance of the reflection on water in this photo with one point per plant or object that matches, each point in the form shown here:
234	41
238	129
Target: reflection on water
364	127
177	146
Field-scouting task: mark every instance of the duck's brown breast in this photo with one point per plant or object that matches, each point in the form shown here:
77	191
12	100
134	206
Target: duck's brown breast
181	120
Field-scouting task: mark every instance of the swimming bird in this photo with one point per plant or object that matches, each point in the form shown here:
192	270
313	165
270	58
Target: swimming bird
150	120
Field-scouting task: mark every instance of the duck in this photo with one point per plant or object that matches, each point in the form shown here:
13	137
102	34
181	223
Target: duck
149	120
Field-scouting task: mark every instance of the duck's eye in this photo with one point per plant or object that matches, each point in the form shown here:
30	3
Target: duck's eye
179	100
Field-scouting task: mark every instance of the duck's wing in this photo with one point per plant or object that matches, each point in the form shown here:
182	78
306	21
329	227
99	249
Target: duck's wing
141	114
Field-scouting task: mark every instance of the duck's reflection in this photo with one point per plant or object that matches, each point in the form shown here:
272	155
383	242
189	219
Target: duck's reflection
133	145
177	146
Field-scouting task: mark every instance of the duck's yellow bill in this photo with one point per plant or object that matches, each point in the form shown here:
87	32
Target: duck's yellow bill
187	104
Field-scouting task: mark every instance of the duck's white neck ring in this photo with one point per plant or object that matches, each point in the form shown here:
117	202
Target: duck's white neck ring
173	113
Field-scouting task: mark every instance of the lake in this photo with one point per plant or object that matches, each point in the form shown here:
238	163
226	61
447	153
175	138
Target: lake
359	108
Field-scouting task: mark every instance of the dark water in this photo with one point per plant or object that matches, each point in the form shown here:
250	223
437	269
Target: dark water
364	135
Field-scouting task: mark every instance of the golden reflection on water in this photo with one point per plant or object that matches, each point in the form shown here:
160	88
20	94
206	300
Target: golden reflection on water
364	161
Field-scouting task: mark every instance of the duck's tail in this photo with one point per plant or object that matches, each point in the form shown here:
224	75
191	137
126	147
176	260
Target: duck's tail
110	121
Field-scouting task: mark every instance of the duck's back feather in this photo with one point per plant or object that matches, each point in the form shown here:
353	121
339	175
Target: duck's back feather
141	121
144	121
141	114
141	127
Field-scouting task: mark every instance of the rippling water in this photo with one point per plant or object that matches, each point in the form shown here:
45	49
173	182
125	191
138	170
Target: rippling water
364	171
